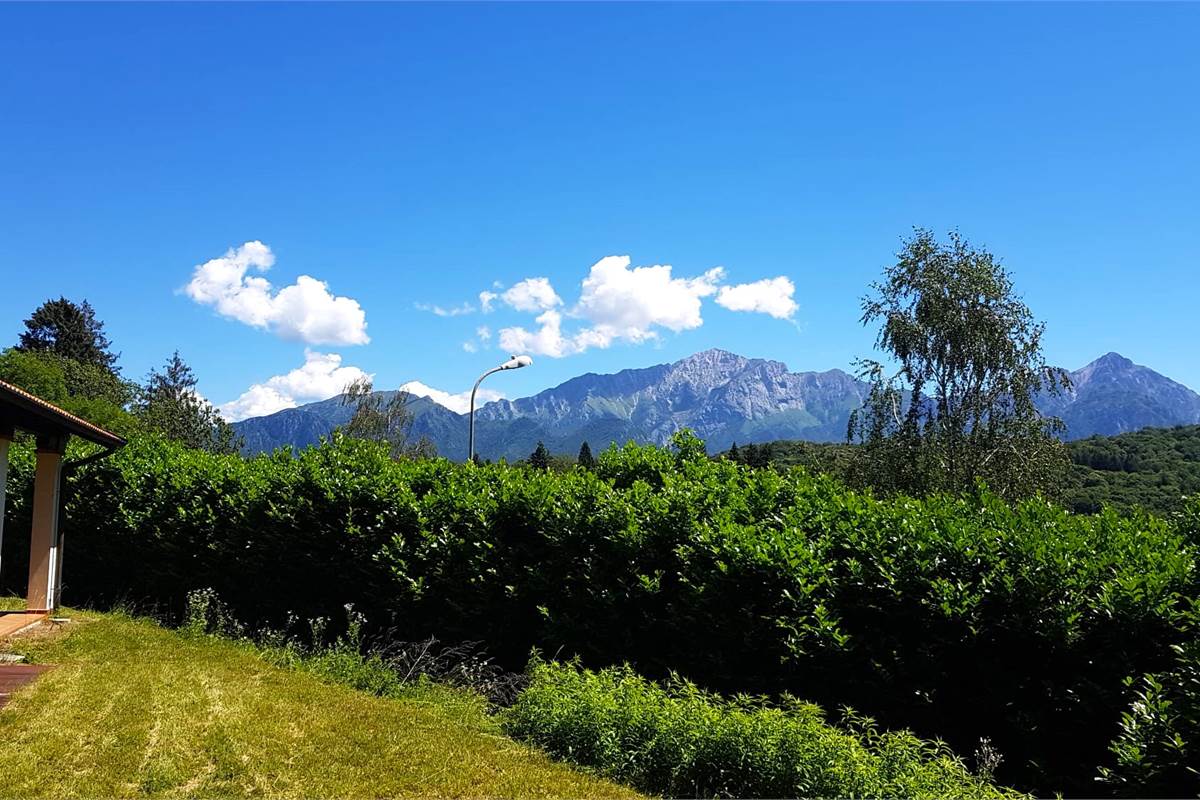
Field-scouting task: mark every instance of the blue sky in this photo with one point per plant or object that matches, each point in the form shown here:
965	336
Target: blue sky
407	157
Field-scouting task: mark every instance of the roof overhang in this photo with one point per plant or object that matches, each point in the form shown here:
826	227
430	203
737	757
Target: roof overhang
20	409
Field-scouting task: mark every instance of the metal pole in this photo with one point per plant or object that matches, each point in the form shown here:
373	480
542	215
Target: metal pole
471	424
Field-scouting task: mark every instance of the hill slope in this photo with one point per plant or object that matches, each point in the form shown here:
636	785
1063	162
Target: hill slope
1154	468
133	709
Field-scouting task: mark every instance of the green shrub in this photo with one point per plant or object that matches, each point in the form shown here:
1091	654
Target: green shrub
682	742
1157	752
961	619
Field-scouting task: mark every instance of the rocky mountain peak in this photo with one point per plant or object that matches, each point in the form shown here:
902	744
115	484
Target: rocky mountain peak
710	362
1111	367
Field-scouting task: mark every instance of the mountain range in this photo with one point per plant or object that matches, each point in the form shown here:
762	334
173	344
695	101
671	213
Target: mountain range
724	398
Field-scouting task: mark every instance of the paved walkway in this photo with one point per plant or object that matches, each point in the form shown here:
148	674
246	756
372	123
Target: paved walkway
13	622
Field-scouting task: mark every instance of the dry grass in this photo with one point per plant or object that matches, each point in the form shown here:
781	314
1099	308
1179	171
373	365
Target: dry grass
136	710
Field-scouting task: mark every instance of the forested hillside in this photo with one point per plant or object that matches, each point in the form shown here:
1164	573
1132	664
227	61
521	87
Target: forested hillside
1154	468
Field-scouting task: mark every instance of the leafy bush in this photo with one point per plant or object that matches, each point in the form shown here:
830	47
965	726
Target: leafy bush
961	619
682	742
1157	753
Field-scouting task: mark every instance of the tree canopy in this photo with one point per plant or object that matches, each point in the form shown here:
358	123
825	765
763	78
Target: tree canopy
170	405
540	457
586	459
378	419
959	406
69	330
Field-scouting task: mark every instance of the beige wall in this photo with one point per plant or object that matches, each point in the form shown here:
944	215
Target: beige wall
43	544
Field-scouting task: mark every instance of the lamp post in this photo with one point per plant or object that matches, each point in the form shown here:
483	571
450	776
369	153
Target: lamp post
516	362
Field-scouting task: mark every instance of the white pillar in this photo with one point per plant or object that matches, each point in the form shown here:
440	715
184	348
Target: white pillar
43	540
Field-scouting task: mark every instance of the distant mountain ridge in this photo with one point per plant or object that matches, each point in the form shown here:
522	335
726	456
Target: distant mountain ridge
724	398
1113	395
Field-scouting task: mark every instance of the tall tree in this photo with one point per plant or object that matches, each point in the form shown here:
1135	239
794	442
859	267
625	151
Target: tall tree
540	457
376	420
585	458
169	404
750	455
68	330
961	405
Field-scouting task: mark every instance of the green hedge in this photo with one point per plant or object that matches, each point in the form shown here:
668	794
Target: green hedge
680	741
959	619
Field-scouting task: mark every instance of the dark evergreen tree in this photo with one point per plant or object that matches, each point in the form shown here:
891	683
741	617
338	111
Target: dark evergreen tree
750	455
585	459
734	455
540	457
766	454
169	404
68	330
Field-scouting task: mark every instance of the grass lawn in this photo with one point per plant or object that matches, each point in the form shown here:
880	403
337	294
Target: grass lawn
133	709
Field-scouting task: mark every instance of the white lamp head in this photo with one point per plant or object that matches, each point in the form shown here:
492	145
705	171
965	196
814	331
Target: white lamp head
516	362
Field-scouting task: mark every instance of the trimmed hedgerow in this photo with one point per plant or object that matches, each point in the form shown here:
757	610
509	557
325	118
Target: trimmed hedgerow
679	741
957	618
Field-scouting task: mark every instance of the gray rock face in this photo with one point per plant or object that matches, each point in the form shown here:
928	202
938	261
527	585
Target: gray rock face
724	398
1113	395
721	396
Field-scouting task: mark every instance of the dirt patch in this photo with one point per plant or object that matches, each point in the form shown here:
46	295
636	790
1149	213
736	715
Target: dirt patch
15	676
43	631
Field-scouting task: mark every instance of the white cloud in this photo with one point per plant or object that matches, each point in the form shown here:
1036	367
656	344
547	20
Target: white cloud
222	283
769	296
622	304
305	311
455	311
483	332
459	403
321	377
545	341
470	346
532	294
633	301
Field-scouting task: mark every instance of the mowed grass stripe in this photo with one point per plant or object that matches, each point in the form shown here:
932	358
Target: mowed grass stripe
137	710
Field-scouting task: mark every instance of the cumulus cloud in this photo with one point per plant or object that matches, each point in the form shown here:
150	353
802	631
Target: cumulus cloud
619	304
304	311
634	301
547	340
455	311
321	377
459	403
532	294
771	296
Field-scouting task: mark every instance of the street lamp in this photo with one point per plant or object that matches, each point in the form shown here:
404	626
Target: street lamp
516	362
